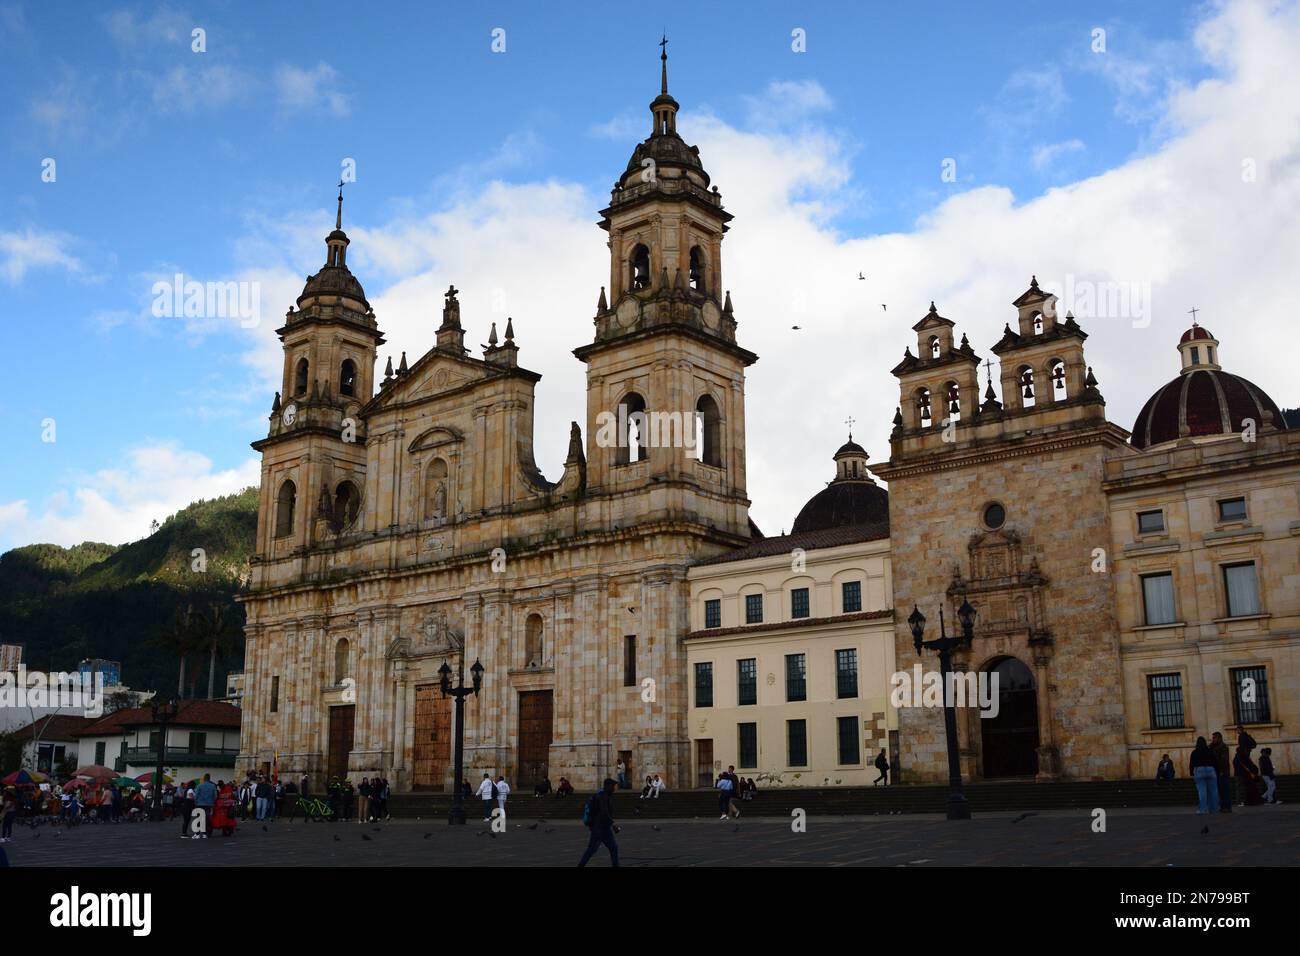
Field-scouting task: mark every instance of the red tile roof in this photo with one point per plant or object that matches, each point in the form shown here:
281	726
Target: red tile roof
196	713
808	540
56	727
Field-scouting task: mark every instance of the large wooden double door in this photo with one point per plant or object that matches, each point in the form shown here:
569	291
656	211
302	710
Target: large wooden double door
536	711
342	725
433	743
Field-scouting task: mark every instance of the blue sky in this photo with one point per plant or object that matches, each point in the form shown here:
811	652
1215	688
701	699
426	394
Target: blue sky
222	165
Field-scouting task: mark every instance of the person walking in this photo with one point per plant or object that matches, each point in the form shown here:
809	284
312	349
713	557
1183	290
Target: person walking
184	804
882	765
599	816
205	801
263	794
1267	775
8	811
725	789
1223	767
503	791
487	792
1203	768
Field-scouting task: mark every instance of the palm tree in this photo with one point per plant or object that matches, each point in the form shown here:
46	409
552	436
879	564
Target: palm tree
180	637
219	632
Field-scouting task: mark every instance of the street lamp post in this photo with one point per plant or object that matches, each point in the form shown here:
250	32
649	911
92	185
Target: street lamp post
958	808
163	714
457	814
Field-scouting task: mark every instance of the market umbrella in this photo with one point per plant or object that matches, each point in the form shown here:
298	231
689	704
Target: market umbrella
148	778
125	783
95	771
23	778
76	783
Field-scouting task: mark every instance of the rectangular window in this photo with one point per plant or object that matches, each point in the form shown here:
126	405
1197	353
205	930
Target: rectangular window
1232	509
747	681
713	613
848	738
100	752
1250	695
851	596
629	660
753	609
796	737
1242	589
747	745
1166	695
275	694
846	674
198	742
155	738
1196	355
704	685
799	602
1150	522
1158	597
796	677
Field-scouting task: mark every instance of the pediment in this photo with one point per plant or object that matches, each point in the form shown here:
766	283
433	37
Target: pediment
436	437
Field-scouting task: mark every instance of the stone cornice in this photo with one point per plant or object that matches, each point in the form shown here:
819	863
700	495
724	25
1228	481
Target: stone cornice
797	624
999	449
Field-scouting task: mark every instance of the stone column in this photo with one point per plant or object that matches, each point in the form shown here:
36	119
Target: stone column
1048	757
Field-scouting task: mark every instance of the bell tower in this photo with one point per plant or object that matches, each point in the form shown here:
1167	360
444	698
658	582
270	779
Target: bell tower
665	377
313	458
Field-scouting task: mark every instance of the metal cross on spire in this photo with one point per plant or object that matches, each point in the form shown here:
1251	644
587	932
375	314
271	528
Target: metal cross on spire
849	421
1192	312
663	56
338	219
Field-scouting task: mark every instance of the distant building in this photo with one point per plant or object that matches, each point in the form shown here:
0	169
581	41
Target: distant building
51	739
111	670
204	738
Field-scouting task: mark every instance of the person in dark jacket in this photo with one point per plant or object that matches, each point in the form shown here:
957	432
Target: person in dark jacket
602	824
1204	771
1266	772
1223	767
1165	770
1248	774
882	765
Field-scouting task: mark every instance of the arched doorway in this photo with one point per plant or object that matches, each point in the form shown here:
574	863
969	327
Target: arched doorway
1011	738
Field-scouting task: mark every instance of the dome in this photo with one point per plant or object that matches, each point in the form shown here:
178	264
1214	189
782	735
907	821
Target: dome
851	447
667	150
334	280
1202	401
1195	332
844	502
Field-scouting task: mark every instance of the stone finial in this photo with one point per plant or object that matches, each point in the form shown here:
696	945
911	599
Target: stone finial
510	329
679	283
401	368
726	305
492	336
602	305
388	369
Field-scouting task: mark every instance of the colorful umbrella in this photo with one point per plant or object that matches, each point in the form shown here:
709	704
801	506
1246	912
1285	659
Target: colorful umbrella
76	783
95	771
125	783
148	778
23	778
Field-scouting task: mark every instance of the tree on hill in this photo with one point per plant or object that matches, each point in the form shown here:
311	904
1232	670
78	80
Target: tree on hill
220	631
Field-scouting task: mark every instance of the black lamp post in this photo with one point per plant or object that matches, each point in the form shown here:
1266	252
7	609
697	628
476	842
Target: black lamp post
958	808
457	814
163	714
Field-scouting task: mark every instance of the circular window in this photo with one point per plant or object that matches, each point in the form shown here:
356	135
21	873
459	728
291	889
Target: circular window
994	516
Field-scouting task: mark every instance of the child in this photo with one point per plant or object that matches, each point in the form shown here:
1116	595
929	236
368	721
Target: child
1266	772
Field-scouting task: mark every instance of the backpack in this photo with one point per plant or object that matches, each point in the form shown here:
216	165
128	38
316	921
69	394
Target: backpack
494	791
589	811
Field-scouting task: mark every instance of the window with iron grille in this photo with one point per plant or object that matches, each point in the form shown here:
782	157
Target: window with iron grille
796	735
846	674
747	746
851	596
1166	694
704	685
799	602
1250	695
848	739
753	609
796	677
713	613
747	681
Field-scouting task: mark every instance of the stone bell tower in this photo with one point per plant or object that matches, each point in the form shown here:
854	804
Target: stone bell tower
665	377
314	458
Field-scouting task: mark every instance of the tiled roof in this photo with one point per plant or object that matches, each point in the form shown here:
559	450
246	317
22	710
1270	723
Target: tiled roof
56	727
196	713
807	540
799	623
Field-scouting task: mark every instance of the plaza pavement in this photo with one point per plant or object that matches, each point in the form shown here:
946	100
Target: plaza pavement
1156	837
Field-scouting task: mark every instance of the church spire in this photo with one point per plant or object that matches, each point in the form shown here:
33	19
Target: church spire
663	56
338	218
664	107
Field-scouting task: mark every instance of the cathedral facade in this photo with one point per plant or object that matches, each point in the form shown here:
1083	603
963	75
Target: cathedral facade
403	523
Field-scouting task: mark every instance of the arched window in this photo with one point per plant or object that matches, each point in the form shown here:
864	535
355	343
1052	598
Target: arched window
935	348
633	444
1038	323
924	418
697	269
347	501
708	431
436	492
1026	376
300	377
1056	375
285	502
533	649
348	378
640	267
342	660
952	401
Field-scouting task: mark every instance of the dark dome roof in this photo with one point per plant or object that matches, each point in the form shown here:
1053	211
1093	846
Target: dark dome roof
850	447
844	502
334	280
666	149
1207	402
1196	332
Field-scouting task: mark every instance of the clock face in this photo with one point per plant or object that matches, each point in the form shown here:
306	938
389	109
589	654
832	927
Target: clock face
290	414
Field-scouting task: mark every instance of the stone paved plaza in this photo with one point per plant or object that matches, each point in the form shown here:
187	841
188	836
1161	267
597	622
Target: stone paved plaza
1258	836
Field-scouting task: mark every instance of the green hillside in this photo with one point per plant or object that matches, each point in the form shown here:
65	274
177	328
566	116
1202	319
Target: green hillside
140	603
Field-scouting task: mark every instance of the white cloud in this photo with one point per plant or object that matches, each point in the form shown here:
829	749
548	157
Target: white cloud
116	505
313	90
199	85
1179	219
1047	155
787	102
30	249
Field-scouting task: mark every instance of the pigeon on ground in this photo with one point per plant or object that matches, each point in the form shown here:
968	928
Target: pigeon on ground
656	829
1024	816
480	832
1204	830
336	838
427	835
549	830
533	827
367	839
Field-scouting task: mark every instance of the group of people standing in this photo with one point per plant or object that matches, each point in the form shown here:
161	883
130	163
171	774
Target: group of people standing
493	793
732	789
1213	768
